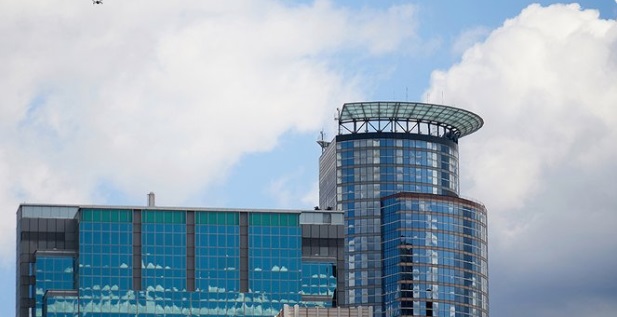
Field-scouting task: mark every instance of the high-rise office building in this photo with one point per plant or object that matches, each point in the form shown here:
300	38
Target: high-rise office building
413	247
108	261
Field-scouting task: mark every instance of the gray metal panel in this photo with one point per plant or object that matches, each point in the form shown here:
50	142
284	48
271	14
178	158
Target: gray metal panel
340	231
72	227
190	251
323	231
340	282
34	234
27	224
60	225
190	243
190	285
71	245
52	225
244	253
137	249
314	231
306	231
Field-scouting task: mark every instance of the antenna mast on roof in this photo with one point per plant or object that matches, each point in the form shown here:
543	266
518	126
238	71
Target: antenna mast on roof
322	142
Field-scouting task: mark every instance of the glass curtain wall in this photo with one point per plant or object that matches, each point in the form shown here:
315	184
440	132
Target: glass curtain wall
275	257
53	272
217	267
435	256
105	261
374	165
106	271
163	266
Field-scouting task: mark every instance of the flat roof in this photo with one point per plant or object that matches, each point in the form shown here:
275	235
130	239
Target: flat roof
466	122
52	211
172	208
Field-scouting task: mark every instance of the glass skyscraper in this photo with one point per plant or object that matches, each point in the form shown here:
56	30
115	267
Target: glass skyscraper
412	246
107	261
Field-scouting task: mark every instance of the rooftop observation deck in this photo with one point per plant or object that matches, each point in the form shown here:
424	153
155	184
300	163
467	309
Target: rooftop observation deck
407	117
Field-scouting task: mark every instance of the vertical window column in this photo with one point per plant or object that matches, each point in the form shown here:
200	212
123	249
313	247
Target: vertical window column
137	249
190	250
244	252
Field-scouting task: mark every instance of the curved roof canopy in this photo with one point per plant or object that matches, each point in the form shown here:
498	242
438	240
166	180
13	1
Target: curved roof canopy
463	121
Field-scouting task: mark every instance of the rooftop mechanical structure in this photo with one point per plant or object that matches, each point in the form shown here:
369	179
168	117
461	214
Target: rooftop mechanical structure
407	117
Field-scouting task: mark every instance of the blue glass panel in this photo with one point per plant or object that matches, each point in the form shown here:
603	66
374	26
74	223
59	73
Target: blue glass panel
53	272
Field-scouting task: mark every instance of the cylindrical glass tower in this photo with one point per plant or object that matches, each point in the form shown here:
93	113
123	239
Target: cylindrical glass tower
384	149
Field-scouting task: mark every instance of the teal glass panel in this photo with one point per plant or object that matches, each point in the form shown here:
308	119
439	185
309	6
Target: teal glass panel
274	219
164	216
106	215
217	218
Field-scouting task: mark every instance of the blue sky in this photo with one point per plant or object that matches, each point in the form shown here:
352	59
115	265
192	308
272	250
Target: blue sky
221	105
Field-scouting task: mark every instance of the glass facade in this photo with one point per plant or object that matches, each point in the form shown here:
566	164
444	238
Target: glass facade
275	262
163	268
435	256
105	261
52	271
318	279
390	148
61	304
155	262
369	167
217	263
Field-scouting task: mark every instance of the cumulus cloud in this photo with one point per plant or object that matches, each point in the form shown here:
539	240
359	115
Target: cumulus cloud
545	162
141	95
468	38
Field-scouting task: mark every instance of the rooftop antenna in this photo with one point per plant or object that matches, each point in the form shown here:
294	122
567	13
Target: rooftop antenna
322	142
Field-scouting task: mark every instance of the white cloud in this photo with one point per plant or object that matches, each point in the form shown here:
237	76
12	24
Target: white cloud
545	161
291	191
161	96
468	38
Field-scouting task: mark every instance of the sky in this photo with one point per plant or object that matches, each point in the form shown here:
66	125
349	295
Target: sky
219	104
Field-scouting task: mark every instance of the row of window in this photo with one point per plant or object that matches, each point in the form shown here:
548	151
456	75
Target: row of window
413	206
120	308
473	281
106	215
179	217
437	309
396	143
393	173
